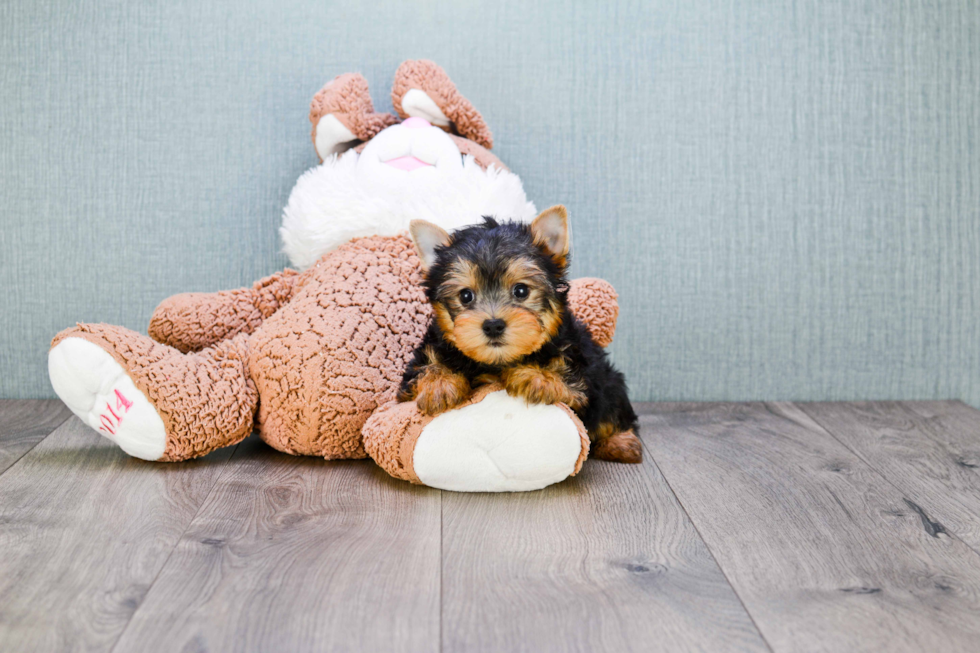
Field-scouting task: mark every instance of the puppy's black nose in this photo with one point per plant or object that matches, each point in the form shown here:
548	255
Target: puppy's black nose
494	328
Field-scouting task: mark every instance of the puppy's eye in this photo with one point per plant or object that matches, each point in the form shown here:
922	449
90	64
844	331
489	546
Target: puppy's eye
465	296
520	291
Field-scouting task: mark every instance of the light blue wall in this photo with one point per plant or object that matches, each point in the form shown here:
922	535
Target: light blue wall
786	194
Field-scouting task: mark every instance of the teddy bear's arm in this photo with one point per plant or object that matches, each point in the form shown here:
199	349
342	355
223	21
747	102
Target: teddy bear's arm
193	321
594	302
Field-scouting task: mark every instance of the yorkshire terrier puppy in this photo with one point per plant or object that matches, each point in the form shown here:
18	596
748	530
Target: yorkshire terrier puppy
499	298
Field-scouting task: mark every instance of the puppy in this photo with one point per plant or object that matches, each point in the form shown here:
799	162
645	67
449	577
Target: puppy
499	297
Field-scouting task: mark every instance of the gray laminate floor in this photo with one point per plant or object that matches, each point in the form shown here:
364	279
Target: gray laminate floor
784	527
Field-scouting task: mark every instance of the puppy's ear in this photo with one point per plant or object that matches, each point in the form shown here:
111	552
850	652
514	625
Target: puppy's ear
550	232
428	237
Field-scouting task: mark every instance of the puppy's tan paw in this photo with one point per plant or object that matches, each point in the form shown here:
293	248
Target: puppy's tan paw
438	390
537	385
622	447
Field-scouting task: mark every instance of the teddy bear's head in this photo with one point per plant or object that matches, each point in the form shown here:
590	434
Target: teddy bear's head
378	173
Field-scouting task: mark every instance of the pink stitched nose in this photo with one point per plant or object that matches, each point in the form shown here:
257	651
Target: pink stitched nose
414	123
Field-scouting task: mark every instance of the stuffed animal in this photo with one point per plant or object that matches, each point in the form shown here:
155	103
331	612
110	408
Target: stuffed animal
313	358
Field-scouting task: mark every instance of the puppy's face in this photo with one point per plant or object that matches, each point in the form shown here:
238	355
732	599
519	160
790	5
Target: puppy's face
497	290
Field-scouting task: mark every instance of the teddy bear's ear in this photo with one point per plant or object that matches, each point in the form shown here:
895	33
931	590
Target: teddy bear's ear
342	114
428	237
423	90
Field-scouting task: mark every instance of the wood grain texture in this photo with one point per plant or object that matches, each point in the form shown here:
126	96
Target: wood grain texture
825	554
606	561
930	450
24	423
300	554
849	536
84	531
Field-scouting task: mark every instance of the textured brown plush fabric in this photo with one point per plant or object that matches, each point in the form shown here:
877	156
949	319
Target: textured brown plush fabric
390	435
193	321
594	302
347	97
391	432
332	348
583	437
338	349
428	77
206	400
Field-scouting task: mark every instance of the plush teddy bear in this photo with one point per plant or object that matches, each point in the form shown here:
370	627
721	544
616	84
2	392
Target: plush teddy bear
313	358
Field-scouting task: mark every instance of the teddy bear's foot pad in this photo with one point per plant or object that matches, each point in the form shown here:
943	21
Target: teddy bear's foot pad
98	390
500	444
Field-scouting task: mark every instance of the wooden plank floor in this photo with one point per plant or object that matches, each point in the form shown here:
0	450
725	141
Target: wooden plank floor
749	527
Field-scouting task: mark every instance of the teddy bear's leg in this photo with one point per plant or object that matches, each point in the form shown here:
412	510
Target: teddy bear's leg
342	114
491	443
153	401
192	321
